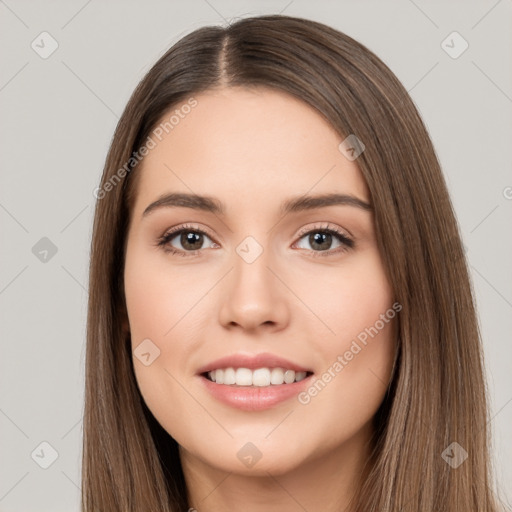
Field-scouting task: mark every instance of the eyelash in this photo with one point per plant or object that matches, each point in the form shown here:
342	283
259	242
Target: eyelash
347	243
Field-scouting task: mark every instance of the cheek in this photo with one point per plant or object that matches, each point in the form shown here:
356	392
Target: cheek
158	296
358	353
160	302
344	402
154	314
347	300
346	395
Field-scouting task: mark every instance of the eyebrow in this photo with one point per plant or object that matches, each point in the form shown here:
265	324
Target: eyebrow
294	204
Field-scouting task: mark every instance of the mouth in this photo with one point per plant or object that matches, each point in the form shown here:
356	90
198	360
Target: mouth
259	377
254	382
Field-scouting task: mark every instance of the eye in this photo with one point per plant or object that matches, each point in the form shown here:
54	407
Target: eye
189	239
321	239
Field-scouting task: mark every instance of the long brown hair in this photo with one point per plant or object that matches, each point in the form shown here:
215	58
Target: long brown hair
437	395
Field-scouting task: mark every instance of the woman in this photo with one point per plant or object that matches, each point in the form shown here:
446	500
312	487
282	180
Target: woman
280	313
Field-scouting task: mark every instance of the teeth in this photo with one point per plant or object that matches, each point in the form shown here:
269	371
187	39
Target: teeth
260	377
243	377
300	376
276	376
229	376
289	376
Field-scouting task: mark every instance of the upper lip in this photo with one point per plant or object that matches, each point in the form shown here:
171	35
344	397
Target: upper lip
252	362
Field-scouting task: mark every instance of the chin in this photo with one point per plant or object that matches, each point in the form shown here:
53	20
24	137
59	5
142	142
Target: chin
251	458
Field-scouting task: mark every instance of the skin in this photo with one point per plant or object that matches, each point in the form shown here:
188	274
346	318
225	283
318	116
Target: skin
252	149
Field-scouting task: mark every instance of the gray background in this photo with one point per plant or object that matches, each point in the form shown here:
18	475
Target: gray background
58	116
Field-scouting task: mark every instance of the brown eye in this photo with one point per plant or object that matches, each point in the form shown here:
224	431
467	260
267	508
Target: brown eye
191	241
321	240
183	240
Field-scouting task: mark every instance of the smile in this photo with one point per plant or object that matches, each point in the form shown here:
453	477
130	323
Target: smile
259	377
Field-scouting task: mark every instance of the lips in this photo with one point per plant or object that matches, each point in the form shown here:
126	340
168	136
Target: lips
254	396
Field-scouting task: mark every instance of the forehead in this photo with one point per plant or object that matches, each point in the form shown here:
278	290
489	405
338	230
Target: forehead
250	145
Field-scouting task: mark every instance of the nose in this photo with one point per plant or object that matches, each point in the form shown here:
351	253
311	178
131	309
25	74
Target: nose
254	297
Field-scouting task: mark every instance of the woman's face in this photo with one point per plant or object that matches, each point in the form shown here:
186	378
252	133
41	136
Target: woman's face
264	285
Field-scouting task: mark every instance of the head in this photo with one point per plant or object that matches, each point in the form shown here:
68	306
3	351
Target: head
266	117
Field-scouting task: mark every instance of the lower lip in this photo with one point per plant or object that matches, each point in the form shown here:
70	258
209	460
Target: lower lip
254	398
